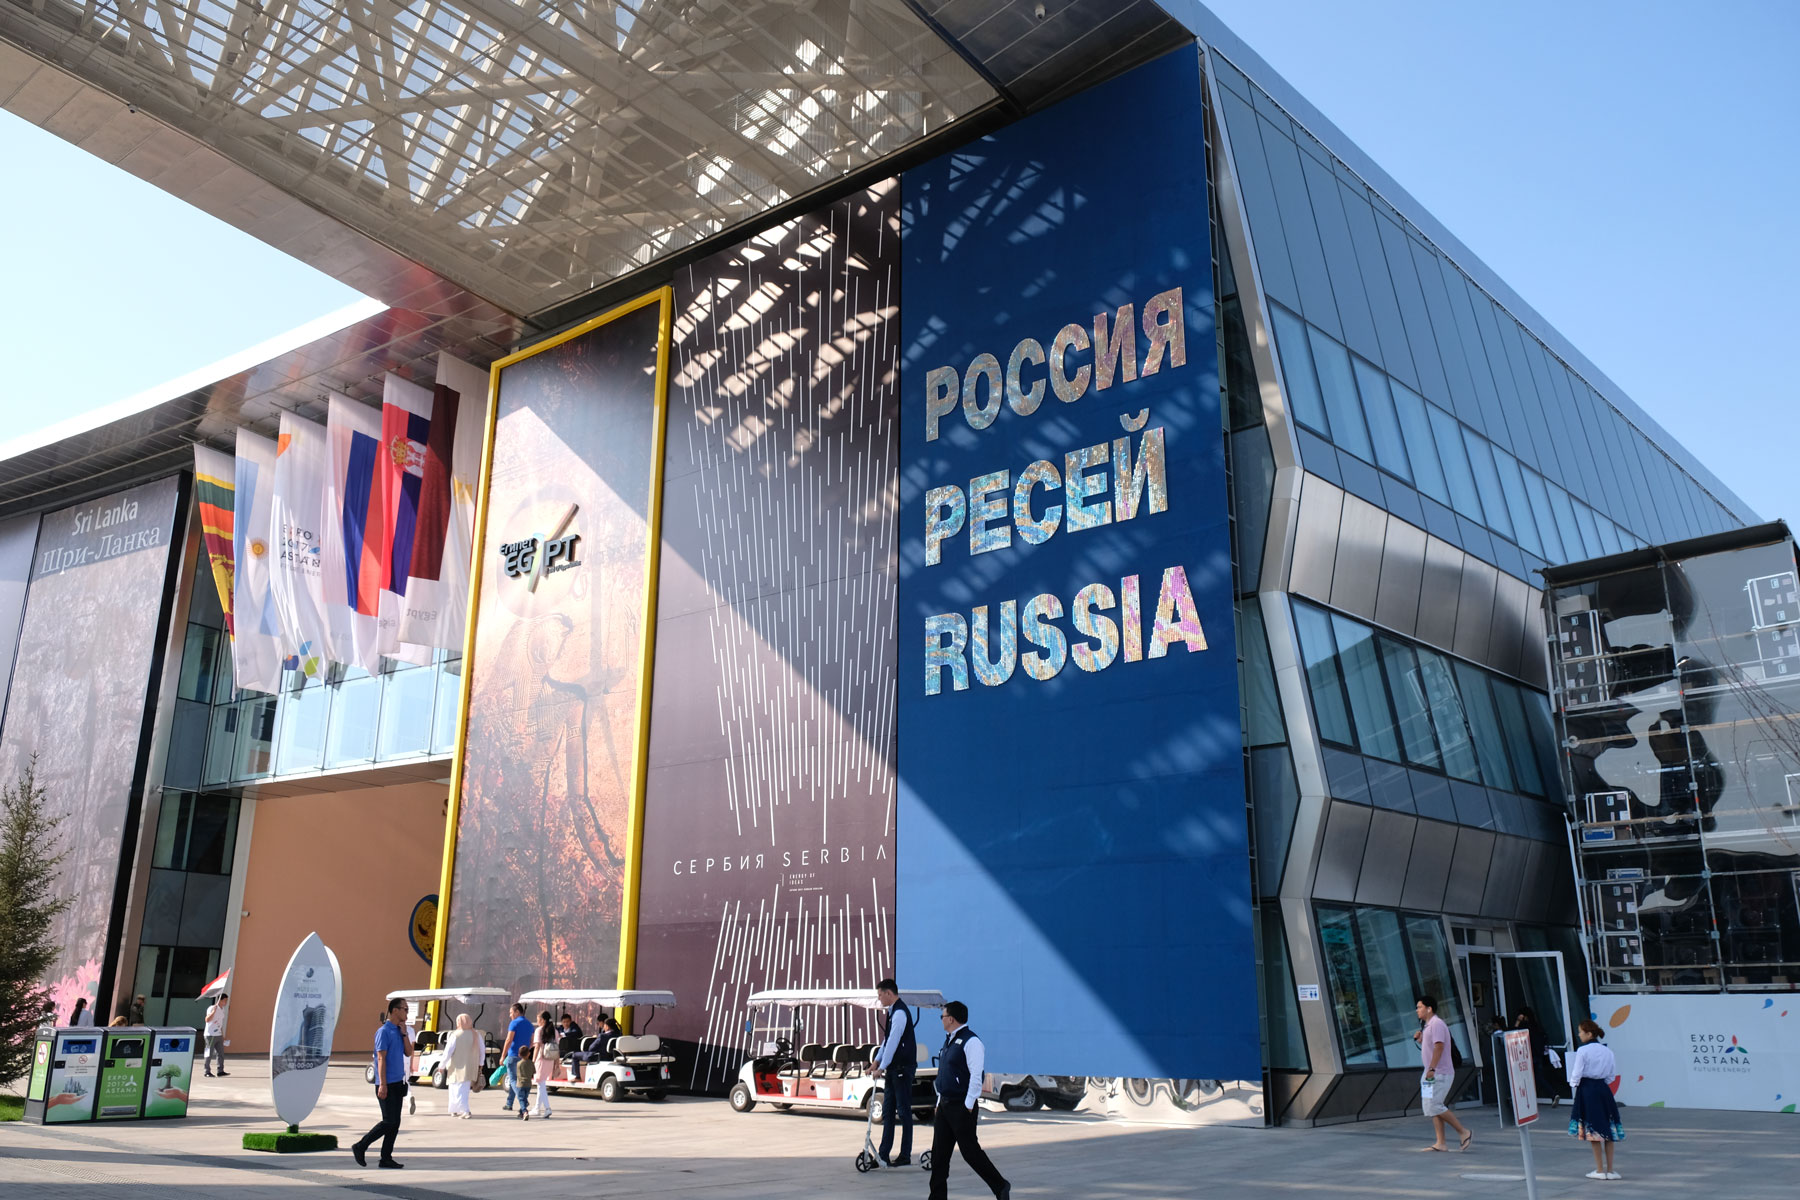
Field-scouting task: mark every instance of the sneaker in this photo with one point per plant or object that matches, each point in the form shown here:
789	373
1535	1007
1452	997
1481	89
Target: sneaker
223	1072
1596	1175
390	1164
905	1160
1614	1175
356	1152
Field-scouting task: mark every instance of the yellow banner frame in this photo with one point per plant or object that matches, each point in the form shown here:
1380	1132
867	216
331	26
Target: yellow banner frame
634	837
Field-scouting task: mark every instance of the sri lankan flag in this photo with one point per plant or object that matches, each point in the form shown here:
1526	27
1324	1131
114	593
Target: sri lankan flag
215	481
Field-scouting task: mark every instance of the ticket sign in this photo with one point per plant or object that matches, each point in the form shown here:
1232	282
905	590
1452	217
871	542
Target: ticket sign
1521	1077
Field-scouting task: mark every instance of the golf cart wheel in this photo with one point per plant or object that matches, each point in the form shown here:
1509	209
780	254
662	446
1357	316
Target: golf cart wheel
780	1107
610	1091
658	1094
369	1073
877	1106
742	1100
865	1162
440	1079
925	1161
1024	1098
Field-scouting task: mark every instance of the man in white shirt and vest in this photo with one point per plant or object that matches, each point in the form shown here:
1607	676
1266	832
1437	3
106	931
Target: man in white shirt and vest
214	1033
896	1063
960	1064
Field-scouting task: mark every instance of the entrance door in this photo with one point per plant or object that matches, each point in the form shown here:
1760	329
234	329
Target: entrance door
1535	979
1484	1007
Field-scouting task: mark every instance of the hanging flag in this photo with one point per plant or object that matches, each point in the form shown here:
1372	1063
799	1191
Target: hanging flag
256	642
297	522
437	594
215	479
358	534
407	416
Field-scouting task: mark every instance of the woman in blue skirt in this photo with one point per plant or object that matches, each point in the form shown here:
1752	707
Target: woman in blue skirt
1595	1119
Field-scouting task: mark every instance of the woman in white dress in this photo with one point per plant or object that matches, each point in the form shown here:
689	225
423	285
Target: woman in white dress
1595	1119
465	1057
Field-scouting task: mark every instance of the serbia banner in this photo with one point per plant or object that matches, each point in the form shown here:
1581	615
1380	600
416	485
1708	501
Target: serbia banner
358	526
437	587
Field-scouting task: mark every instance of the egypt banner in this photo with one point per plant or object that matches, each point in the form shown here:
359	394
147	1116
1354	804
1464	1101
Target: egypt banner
551	760
768	850
82	681
215	479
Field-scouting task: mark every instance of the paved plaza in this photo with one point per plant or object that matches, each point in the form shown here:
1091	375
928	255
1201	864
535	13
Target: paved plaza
701	1150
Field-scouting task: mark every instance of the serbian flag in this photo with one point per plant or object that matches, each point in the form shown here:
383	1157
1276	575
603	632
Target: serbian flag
215	479
359	534
407	418
437	592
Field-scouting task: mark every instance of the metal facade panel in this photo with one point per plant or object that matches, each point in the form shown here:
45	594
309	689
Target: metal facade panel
1428	867
1395	1096
1468	871
1475	609
1316	539
1346	1100
1362	532
1402	573
1341	854
1514	603
1506	871
1534	892
1385	855
1438	592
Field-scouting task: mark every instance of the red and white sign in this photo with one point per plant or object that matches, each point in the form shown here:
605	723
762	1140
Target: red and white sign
1521	1077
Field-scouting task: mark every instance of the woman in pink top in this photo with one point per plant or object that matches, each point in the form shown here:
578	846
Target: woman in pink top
1434	1088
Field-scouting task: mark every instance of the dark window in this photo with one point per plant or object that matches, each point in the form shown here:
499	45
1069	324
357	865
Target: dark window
1456	464
1338	387
1407	687
1297	370
1384	426
1421	450
1319	652
1361	668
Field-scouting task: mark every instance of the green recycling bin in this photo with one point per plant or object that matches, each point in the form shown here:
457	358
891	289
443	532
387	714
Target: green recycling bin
170	1073
124	1070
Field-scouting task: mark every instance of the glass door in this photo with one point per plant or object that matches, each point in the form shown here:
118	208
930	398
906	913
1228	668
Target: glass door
1535	980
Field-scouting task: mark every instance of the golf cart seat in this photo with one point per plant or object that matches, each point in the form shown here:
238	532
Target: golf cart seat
640	1050
427	1040
814	1056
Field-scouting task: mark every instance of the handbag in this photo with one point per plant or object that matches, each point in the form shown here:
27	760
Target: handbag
498	1077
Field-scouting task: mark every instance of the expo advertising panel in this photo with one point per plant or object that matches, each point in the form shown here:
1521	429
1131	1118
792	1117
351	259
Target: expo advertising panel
1704	1051
768	853
1073	855
82	684
550	764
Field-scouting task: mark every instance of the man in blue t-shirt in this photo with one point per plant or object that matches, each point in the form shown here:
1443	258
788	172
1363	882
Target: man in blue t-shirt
519	1033
392	1052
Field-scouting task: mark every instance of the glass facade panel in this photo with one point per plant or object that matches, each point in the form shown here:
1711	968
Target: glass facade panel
1421	451
1573	546
1337	384
1548	533
1590	533
1431	961
1319	651
1263	725
1361	667
406	713
1297	371
1487	483
303	717
1513	484
1384	426
1390	984
221	745
1457	475
1518	734
1352	1006
350	738
447	705
256	739
1407	688
1447	719
1287	1040
1484	724
199	658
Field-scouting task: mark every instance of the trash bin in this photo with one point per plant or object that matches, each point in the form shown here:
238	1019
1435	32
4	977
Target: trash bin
124	1071
65	1073
171	1072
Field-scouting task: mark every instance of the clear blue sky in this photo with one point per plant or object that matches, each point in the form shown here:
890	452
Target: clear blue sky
1629	168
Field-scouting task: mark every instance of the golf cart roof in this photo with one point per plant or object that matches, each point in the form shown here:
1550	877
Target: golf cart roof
466	995
856	997
605	997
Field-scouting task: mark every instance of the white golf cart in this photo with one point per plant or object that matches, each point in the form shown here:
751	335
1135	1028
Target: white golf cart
430	1042
826	1075
627	1065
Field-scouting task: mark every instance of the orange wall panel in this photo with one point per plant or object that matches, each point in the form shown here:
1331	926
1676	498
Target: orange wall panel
349	865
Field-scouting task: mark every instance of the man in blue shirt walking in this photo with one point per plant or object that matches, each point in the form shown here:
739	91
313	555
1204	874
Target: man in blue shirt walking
519	1033
391	1055
960	1064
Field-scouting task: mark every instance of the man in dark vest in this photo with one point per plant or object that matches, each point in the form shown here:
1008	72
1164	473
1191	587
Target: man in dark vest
896	1063
960	1065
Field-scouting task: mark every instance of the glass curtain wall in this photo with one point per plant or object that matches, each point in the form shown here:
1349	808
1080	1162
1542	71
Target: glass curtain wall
1378	962
1677	686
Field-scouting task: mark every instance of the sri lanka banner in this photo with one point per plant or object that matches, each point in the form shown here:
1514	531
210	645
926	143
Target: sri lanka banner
215	479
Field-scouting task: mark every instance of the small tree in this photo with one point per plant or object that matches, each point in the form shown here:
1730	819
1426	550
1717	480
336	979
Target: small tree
31	859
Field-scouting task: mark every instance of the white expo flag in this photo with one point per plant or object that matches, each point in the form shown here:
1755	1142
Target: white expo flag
355	525
256	644
297	526
470	385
